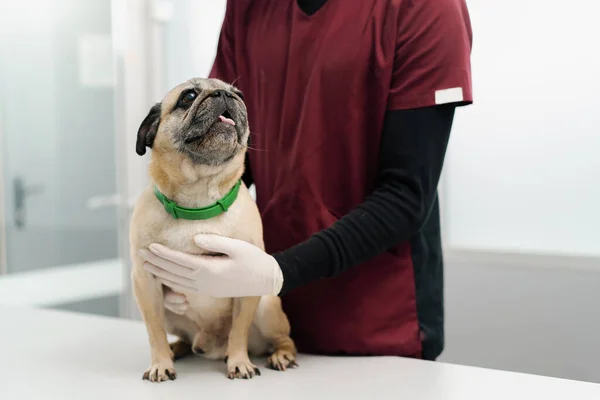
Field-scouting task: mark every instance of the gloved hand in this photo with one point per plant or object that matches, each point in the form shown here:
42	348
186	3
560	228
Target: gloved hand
175	302
244	270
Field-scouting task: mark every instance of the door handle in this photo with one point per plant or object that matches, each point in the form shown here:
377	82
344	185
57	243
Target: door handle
20	192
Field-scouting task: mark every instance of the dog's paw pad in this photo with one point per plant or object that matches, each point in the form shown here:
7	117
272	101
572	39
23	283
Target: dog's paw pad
160	373
282	360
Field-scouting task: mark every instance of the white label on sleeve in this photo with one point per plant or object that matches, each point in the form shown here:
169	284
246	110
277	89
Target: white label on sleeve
452	95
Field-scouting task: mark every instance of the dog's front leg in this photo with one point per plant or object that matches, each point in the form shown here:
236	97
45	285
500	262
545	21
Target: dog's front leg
238	362
149	297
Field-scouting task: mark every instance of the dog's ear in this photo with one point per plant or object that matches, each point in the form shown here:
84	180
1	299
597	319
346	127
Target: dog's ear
147	131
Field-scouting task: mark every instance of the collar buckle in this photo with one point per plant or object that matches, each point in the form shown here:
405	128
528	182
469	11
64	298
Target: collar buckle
170	208
222	205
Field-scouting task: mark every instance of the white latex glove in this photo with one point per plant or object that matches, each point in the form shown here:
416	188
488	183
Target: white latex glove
244	270
175	302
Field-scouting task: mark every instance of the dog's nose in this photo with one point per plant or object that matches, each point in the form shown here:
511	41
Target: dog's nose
221	93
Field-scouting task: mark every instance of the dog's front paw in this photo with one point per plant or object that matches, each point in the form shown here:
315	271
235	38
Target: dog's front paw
281	360
160	372
242	369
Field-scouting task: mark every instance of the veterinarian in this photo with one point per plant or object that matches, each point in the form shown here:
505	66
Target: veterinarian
351	104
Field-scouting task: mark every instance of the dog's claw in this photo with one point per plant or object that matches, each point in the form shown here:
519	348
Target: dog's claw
159	373
281	361
171	375
244	370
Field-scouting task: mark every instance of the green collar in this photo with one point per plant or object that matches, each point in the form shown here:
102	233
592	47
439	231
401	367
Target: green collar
208	212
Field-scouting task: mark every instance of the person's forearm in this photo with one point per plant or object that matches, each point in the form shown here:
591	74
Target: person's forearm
413	147
378	224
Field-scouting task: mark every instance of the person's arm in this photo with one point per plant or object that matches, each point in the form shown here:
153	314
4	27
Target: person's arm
412	149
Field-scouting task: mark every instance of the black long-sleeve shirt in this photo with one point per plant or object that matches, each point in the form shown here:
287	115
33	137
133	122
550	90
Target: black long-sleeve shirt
412	149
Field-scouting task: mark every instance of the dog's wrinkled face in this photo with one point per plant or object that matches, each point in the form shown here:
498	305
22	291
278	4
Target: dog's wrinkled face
205	119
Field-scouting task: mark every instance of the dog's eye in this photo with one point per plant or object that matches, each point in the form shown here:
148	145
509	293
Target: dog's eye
240	94
188	98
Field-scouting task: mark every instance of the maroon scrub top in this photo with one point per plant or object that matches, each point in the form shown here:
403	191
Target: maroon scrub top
317	88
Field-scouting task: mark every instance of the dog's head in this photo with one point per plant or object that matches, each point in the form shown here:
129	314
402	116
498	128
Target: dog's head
204	120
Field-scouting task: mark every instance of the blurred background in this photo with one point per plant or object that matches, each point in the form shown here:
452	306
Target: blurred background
520	192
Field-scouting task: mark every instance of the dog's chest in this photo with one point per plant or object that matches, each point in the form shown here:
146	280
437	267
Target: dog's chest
178	234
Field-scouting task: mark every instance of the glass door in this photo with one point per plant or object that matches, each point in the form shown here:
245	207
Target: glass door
58	220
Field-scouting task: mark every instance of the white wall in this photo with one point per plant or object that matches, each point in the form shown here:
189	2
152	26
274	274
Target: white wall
523	176
523	169
191	39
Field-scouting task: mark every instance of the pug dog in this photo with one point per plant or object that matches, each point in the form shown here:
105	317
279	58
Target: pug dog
198	135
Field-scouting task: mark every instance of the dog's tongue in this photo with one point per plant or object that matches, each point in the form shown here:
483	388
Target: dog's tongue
226	120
